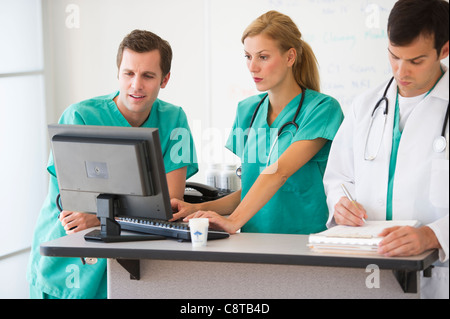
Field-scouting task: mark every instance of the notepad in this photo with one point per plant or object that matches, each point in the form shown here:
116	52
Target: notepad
357	240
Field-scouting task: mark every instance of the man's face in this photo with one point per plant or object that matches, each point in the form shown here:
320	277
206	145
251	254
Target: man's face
140	79
416	66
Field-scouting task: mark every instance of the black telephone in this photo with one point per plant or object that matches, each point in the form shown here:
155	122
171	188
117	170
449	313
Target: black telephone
199	193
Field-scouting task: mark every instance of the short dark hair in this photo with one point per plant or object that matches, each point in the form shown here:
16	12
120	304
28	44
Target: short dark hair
412	18
141	41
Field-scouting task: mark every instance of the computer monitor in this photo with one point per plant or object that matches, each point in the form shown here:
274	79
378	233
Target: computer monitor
111	172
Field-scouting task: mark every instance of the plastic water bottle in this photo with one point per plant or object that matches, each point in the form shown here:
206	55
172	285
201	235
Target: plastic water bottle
228	179
213	175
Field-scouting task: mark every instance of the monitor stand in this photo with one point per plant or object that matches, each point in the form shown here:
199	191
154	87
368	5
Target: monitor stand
110	231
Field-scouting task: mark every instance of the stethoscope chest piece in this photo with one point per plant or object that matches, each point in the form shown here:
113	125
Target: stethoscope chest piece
439	144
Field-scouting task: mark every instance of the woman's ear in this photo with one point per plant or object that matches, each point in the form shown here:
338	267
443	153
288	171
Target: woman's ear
292	56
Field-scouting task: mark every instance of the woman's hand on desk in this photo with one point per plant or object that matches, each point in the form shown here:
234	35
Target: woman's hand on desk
216	221
74	222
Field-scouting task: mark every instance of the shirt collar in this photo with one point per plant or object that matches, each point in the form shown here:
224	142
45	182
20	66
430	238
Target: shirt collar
441	90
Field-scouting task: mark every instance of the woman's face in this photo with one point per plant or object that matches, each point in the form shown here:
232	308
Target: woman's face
268	66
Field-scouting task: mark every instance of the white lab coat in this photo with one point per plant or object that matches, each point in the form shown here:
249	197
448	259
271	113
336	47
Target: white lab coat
421	182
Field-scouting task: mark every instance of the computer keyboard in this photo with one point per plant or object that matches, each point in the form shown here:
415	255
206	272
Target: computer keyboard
165	228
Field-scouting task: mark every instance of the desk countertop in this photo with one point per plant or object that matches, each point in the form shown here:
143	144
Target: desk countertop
240	248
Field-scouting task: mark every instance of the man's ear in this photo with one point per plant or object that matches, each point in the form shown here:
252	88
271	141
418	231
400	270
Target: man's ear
444	52
165	81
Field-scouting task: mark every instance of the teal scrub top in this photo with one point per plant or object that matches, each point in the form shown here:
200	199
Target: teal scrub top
69	277
396	137
299	206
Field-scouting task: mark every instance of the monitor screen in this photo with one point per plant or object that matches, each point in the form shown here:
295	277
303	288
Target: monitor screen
124	162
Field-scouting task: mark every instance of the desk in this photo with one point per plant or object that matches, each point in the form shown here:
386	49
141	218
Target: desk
245	265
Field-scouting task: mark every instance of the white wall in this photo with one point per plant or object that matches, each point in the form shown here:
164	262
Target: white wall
209	74
13	267
23	179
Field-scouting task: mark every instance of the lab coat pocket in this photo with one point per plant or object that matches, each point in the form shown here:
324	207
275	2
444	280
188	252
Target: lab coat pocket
439	183
435	287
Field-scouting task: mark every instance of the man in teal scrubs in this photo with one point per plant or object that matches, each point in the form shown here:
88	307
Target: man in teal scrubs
144	61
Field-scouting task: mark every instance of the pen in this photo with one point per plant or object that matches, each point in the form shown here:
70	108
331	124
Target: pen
350	198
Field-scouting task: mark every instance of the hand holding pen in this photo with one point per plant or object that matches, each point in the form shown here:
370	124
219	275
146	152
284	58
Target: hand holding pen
348	212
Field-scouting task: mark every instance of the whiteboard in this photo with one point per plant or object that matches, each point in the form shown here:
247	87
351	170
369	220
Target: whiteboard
349	38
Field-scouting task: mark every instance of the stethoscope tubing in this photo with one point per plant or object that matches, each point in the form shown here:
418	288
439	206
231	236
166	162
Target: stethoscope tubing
292	122
280	130
386	110
383	98
444	127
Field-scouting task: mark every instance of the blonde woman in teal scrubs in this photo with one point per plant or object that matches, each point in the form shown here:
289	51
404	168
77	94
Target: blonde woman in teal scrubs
282	166
144	61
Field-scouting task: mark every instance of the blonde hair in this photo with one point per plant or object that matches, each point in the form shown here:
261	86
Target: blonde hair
282	29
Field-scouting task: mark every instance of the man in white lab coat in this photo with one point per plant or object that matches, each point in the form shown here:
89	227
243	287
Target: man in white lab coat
393	158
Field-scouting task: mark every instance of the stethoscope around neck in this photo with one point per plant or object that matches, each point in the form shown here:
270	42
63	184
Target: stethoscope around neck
439	143
280	130
292	122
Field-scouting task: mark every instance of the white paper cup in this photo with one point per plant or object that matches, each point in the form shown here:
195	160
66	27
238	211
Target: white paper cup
199	231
